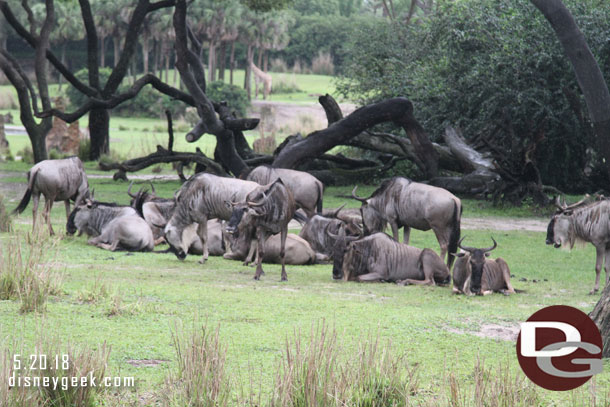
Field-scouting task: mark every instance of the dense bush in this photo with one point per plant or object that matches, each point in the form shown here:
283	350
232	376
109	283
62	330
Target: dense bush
235	96
495	69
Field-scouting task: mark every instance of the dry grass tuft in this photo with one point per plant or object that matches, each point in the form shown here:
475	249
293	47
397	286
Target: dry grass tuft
6	223
28	270
323	64
201	379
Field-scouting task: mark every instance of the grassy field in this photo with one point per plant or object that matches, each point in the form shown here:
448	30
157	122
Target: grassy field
439	333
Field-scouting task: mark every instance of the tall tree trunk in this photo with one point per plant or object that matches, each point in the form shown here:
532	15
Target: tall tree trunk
232	62
222	61
116	48
99	123
588	74
212	61
175	75
259	63
145	53
103	51
247	84
63	61
167	58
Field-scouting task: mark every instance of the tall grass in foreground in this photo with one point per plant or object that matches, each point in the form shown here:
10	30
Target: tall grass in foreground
28	269
317	372
201	379
6	223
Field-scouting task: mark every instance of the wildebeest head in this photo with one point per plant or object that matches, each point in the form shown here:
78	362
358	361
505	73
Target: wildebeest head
340	249
253	207
561	230
79	217
372	220
477	262
175	240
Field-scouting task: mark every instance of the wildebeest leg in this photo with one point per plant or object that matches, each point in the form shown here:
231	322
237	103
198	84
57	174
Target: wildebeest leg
159	240
202	231
598	268
251	252
112	247
260	252
283	235
607	263
67	205
370	277
443	241
394	226
35	200
48	204
406	234
428	281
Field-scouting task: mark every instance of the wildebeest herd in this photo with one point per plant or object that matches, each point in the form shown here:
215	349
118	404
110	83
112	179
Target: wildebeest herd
247	220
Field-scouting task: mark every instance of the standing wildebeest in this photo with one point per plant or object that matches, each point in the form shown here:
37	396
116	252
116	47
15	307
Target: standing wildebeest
315	231
474	273
587	223
202	197
57	180
306	189
268	208
404	203
112	226
378	257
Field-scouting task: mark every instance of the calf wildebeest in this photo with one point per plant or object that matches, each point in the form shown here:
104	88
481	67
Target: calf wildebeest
202	197
57	180
112	226
584	222
378	257
268	208
306	189
474	273
404	203
315	231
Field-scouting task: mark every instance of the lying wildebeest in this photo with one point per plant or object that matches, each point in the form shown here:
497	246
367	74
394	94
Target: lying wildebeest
404	203
216	242
57	180
474	273
298	250
155	210
112	226
378	257
268	208
306	189
202	197
584	222
315	231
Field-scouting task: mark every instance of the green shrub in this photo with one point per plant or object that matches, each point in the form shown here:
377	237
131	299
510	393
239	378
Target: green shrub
26	154
84	149
236	97
77	98
285	84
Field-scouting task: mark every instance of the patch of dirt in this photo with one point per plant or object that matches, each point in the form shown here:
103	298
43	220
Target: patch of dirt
492	331
534	225
146	362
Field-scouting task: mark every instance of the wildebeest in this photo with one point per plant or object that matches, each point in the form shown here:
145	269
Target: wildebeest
306	189
474	273
404	203
216	242
155	210
268	208
378	257
315	231
202	197
57	180
112	226
298	251
584	222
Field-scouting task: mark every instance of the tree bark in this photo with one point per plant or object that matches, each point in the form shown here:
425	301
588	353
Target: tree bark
212	61
601	316
588	74
248	71
232	62
99	123
222	57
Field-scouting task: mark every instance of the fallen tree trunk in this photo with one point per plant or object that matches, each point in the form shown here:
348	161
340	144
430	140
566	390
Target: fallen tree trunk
399	110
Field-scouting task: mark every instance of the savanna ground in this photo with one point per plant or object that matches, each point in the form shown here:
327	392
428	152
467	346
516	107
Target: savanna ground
133	301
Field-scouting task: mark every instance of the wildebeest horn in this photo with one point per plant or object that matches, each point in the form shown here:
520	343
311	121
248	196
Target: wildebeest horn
557	203
492	247
574	205
337	237
152	187
468	249
129	190
356	197
260	203
336	212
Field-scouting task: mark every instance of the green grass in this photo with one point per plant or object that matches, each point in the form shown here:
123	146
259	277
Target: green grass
433	327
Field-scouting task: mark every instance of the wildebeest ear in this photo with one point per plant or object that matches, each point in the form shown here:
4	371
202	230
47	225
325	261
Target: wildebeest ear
89	203
228	204
158	225
568	213
458	254
487	254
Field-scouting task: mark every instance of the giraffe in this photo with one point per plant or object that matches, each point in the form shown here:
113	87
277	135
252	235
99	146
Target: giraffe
260	76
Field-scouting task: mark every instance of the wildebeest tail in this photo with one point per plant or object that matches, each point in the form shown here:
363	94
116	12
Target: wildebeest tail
139	201
320	197
454	237
28	193
299	217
